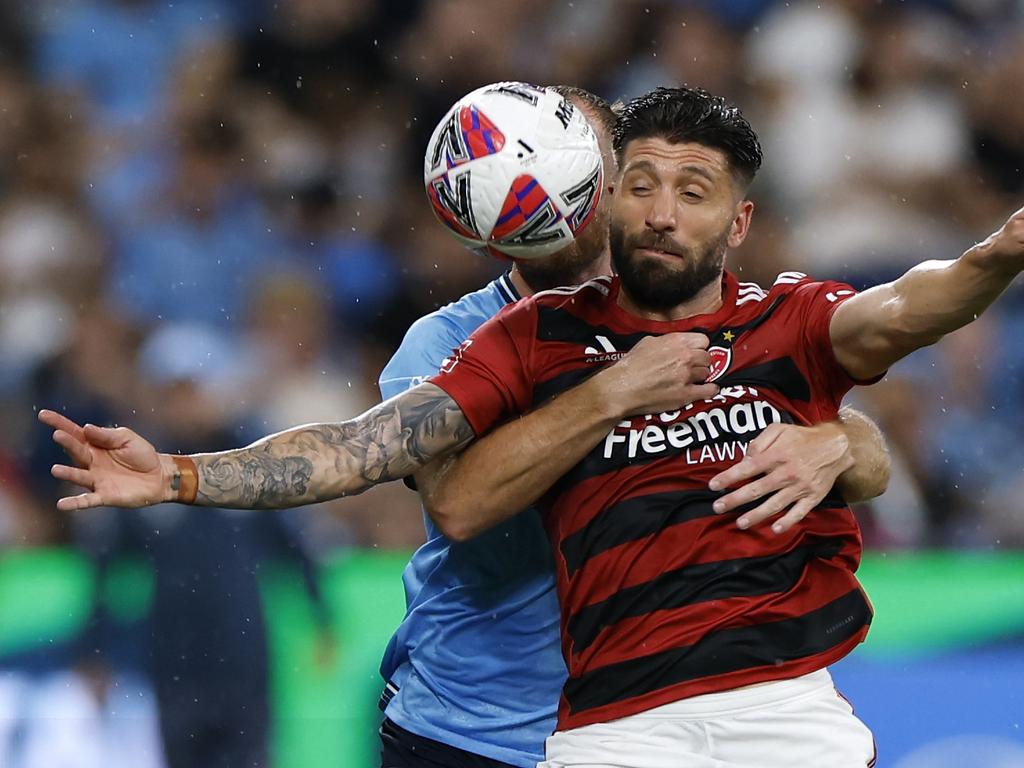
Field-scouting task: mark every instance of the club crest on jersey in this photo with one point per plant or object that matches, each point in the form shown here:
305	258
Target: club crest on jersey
721	357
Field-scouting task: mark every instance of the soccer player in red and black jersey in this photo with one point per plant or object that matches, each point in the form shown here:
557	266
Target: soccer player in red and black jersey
668	616
684	646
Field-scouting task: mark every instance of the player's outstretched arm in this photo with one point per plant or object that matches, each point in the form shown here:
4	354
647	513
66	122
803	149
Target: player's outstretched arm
874	329
792	468
299	466
511	467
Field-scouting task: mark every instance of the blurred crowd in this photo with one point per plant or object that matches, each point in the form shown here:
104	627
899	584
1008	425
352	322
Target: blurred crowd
212	223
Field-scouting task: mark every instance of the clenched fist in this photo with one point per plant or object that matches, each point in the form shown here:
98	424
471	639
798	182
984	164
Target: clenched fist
661	373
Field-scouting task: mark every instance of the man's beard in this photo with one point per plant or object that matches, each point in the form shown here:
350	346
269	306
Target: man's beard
566	267
660	286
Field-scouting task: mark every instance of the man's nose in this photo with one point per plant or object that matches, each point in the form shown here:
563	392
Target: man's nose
661	215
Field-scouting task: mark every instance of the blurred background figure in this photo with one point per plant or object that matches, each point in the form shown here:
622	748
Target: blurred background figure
212	225
204	646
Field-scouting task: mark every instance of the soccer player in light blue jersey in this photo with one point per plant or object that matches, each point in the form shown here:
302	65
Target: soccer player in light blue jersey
496	592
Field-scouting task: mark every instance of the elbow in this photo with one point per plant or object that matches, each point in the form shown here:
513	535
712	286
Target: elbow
870	485
882	475
450	520
457	534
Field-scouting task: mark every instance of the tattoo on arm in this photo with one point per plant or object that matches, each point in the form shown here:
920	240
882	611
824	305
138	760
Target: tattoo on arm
317	462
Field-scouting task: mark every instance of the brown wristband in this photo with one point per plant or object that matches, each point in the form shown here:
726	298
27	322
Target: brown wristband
186	481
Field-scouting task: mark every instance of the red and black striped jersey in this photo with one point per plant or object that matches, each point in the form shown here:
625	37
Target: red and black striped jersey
661	598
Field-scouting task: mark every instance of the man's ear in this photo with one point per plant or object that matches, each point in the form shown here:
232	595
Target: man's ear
741	223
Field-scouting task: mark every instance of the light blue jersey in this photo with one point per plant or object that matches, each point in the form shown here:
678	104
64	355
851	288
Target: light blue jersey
476	662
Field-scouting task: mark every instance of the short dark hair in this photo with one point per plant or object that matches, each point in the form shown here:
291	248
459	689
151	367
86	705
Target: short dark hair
690	114
600	107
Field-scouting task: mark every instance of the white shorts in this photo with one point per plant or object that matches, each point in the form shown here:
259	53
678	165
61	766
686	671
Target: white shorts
798	723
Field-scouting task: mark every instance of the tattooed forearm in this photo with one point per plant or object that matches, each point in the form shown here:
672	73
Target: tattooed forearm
324	461
259	480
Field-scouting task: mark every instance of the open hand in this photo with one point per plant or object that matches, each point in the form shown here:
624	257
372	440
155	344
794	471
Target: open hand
791	468
117	467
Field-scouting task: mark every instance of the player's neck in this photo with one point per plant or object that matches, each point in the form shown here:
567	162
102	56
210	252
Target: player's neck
522	287
707	301
601	266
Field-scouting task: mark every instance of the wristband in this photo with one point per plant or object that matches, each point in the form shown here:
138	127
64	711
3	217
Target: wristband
186	481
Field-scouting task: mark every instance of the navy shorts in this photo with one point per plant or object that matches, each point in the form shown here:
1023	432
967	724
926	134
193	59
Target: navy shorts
401	749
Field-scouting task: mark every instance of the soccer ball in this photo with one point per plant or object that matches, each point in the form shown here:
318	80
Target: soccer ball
514	170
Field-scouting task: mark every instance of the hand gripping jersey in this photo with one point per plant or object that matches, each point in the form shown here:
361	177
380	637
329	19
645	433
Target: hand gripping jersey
662	599
476	662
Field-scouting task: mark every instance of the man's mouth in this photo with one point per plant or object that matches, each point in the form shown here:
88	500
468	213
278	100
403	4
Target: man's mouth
659	253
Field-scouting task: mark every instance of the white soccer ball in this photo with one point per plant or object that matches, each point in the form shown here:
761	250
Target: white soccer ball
514	170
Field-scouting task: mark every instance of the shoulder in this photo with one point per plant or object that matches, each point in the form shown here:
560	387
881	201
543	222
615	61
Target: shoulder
791	288
432	337
806	291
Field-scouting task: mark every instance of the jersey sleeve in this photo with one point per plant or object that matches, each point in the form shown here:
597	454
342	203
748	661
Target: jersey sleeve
427	343
490	374
813	302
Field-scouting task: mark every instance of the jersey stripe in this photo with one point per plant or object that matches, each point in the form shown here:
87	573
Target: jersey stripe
749	298
781	374
701	540
723	652
720	580
558	324
789	278
634	519
639	517
655	631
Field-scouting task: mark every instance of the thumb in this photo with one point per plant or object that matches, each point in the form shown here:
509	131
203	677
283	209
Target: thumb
106	437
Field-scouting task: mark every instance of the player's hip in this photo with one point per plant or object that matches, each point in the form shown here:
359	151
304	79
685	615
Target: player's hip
801	721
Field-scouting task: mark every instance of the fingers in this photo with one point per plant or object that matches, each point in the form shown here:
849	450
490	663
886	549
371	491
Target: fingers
748	493
74	475
81	501
59	421
700	373
747	469
773	505
79	452
106	437
695	340
702	392
799	511
767	438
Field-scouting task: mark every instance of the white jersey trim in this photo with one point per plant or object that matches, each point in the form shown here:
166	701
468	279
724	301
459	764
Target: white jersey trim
789	278
600	284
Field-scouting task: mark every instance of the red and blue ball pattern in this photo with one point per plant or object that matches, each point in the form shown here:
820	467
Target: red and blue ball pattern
480	135
525	197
